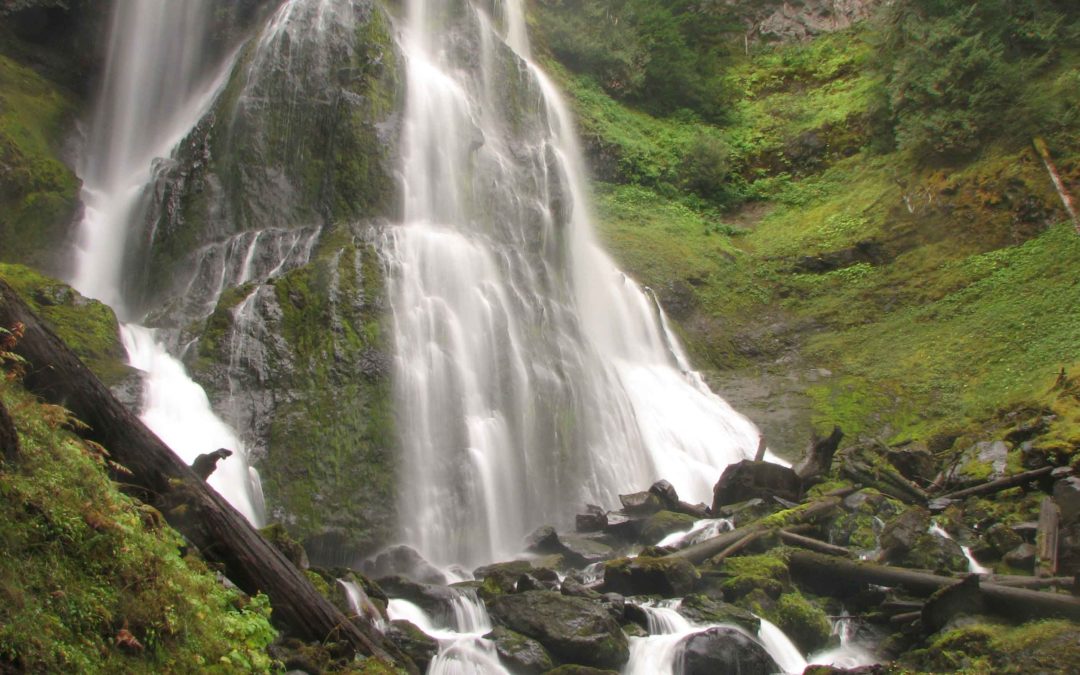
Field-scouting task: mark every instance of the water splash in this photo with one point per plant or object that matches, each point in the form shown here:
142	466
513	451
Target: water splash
462	647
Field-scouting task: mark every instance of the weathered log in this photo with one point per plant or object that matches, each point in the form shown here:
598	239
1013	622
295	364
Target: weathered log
9	439
812	544
1020	581
830	575
762	446
750	538
964	597
886	481
1046	538
1000	484
710	547
159	478
819	456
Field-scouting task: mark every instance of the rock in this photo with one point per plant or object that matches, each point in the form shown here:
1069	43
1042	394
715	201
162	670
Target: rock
702	609
725	650
623	525
275	533
746	512
576	589
914	461
668	577
640	503
404	561
416	644
615	605
749	479
663	523
936	553
514	568
1022	557
522	654
593	520
574	630
543	540
996	542
435	600
1067	497
582	550
901	533
572	669
666	493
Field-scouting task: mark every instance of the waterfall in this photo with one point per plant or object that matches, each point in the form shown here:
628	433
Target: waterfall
158	83
531	375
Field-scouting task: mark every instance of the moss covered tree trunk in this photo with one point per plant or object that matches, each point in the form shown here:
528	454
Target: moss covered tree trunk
161	479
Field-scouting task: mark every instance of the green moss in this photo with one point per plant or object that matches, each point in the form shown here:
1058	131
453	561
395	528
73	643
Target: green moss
89	327
82	562
38	193
801	620
663	523
767	573
1040	646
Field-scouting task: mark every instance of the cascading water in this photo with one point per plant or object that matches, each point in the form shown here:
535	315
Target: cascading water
532	375
158	83
463	650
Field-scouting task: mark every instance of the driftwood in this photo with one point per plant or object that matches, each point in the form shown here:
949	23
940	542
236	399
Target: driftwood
999	484
835	576
886	481
9	439
711	547
812	544
159	478
1046	539
819	456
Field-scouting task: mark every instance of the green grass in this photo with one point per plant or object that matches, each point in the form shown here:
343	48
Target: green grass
81	562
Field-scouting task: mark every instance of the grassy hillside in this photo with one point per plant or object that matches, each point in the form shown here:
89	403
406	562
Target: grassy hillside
868	220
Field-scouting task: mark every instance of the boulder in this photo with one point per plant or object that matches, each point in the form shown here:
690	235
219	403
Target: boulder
522	654
574	630
702	609
641	503
593	520
748	479
581	550
1022	557
1067	497
415	643
998	540
514	569
725	650
901	533
437	601
404	561
666	493
576	589
624	526
663	523
543	540
668	577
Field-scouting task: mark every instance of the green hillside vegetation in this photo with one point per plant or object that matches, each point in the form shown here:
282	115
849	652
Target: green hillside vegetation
93	581
868	201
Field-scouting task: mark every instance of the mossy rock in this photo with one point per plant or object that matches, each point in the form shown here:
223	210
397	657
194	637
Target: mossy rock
801	620
667	577
90	328
276	534
522	654
415	643
767	573
574	630
660	525
702	609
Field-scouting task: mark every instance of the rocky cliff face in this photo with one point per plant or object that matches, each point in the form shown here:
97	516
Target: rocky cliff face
257	256
802	19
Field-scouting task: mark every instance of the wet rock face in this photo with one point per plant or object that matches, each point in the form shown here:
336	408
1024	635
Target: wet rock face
725	650
669	577
416	644
522	654
574	630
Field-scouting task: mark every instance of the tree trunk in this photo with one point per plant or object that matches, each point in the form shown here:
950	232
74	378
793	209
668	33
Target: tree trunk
836	576
1046	539
161	479
9	439
999	484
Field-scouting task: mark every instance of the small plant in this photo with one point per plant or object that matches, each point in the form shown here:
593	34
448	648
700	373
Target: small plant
9	360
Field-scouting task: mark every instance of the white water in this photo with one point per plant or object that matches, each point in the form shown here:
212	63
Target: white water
701	530
157	86
462	648
532	376
362	605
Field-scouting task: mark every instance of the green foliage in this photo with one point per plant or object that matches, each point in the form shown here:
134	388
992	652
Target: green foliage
38	193
82	564
953	68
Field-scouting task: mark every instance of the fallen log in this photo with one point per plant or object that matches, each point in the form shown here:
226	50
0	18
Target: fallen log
999	484
1019	581
159	478
819	457
736	547
812	544
711	547
830	575
885	481
1046	538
